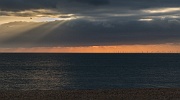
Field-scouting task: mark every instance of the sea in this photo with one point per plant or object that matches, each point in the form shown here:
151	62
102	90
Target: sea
78	71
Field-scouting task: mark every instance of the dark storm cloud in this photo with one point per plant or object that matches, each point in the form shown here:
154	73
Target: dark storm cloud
93	2
16	5
41	4
97	22
93	9
87	33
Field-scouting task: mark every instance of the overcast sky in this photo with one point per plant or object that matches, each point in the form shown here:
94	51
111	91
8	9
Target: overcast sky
88	23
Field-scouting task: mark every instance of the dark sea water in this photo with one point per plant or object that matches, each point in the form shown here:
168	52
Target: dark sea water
88	71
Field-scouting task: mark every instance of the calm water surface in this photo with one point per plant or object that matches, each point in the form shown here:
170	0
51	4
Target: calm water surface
88	71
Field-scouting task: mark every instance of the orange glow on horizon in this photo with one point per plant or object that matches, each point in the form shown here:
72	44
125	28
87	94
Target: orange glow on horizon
164	48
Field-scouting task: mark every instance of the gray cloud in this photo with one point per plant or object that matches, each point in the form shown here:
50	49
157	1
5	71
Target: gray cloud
16	5
87	33
93	2
91	9
131	4
99	22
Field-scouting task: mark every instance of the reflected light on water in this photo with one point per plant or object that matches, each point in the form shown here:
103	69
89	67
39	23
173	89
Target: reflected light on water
34	80
34	74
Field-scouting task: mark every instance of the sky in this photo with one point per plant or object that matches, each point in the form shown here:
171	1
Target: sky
90	26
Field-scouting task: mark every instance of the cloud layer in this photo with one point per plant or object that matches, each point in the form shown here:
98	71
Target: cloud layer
95	22
38	4
93	9
13	5
88	33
